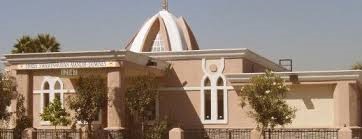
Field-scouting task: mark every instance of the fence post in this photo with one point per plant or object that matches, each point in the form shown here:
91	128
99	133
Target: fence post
345	133
114	132
28	133
176	133
84	132
256	134
80	133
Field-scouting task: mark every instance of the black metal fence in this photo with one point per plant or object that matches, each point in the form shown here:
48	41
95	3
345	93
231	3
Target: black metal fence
217	133
304	133
208	133
60	133
6	133
78	134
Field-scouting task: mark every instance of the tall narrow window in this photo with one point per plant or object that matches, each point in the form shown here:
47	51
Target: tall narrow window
207	96
46	92
57	90
220	99
214	99
207	104
220	104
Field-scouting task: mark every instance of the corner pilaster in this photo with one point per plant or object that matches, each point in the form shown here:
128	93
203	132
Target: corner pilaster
24	86
116	95
341	98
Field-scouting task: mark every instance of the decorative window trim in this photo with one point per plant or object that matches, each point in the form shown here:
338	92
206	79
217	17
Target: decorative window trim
214	88
65	91
51	81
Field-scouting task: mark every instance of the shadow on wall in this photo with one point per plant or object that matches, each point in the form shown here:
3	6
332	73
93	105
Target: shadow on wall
180	106
74	82
307	93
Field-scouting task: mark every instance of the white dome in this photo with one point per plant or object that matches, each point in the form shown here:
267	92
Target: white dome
163	32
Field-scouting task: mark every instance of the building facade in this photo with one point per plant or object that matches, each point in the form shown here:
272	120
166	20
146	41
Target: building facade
199	88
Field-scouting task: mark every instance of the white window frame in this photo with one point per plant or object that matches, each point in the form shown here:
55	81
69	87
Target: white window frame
52	91
157	45
214	102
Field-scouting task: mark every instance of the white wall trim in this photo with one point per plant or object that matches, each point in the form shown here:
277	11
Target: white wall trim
65	91
303	76
216	54
191	88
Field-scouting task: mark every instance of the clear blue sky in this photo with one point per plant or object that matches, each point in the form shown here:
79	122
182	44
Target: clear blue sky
316	34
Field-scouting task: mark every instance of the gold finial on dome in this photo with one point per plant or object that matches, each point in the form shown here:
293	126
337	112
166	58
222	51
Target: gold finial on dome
165	5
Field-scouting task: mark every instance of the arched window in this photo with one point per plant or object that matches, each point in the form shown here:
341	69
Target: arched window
46	93
52	88
57	90
214	99
207	82
157	45
207	98
220	98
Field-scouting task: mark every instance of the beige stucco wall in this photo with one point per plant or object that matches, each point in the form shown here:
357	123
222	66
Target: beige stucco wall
183	73
314	104
183	108
189	73
38	76
251	67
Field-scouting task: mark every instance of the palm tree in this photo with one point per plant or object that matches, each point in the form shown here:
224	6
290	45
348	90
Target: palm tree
42	43
47	43
357	66
24	45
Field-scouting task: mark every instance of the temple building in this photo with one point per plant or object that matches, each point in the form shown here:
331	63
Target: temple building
201	88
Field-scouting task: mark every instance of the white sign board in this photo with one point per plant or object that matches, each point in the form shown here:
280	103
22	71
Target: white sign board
69	65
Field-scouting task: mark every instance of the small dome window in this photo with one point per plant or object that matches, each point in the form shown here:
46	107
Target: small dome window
157	45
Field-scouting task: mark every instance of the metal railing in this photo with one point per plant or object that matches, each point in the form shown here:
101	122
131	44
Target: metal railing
6	133
78	134
301	133
217	133
114	134
58	134
207	133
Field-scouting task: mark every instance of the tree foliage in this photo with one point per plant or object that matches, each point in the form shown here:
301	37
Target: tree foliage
25	44
39	44
7	90
140	94
89	99
47	43
55	114
265	96
158	129
22	120
140	98
357	66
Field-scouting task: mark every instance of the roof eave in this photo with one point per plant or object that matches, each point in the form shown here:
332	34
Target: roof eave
303	76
